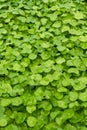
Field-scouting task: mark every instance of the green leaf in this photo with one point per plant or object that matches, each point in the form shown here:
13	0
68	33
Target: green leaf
17	67
53	17
43	21
2	110
65	28
70	127
68	113
73	70
6	87
54	114
60	60
16	101
79	15
45	1
83	128
45	105
62	89
58	95
60	120
50	126
83	96
83	45
31	121
45	45
83	39
39	93
3	122
77	118
73	95
57	24
20	117
30	109
79	86
5	102
11	127
62	104
32	56
44	81
74	104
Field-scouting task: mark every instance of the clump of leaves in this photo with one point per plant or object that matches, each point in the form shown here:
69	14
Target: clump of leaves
43	65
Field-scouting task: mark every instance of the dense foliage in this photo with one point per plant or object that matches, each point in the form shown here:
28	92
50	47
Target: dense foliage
43	65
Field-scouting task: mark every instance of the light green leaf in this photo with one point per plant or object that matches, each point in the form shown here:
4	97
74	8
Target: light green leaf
73	70
11	127
68	113
70	127
79	86
83	39
60	60
65	28
83	96
31	121
62	89
39	93
5	102
20	117
45	45
32	56
30	109
73	95
3	122
79	15
16	101
54	114
60	120
62	104
57	24
43	21
45	105
45	1
17	67
53	17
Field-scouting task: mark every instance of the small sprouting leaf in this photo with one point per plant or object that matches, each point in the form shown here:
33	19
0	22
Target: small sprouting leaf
62	104
60	60
32	56
45	45
16	101
70	127
31	109
31	121
68	113
73	95
65	28
83	96
83	39
20	117
17	67
5	102
45	105
57	24
53	17
3	122
12	127
43	21
45	1
79	15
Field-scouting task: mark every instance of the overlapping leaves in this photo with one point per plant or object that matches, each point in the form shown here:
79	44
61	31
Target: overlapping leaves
43	65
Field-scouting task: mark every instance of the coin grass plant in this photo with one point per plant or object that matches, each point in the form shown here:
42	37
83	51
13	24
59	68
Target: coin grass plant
43	65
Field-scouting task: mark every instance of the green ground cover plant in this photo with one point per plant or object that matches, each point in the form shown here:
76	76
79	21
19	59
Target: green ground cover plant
43	65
